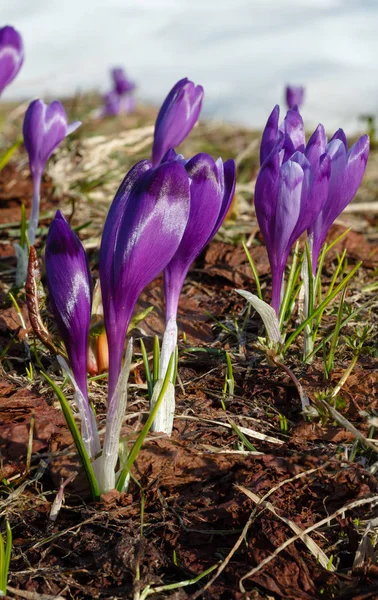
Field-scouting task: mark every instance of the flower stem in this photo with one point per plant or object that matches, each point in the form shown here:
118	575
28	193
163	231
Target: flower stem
34	216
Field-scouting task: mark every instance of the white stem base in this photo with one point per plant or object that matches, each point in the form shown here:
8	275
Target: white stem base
163	421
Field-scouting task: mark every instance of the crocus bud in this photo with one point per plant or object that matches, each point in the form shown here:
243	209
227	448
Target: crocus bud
45	126
289	194
347	170
177	117
294	96
70	293
11	55
143	230
290	135
121	83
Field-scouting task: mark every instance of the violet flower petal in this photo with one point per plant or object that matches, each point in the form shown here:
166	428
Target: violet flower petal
70	294
270	134
316	146
177	117
143	231
293	126
347	170
11	55
266	196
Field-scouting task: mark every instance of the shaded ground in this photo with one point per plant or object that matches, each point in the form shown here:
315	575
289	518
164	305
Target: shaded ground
207	497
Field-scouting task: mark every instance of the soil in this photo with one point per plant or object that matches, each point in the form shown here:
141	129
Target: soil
206	497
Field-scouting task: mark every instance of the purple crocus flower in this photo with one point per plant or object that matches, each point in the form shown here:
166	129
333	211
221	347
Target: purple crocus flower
45	126
347	170
212	186
70	294
294	96
290	135
70	290
11	55
121	83
291	190
177	117
142	232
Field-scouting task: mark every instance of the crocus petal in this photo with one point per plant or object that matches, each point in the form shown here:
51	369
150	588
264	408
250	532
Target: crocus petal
70	293
113	222
293	126
266	195
72	127
294	95
270	134
289	201
177	117
340	135
33	131
138	247
11	55
229	178
206	197
316	146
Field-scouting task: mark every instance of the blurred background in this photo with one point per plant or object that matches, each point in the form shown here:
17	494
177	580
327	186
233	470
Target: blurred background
243	52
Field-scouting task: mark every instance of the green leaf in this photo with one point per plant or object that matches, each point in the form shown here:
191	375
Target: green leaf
267	313
328	299
139	317
7	155
85	461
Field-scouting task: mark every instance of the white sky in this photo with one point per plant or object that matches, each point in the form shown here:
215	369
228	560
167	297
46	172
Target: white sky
242	51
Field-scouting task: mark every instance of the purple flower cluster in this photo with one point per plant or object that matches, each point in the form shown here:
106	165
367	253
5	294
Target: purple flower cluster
302	187
162	216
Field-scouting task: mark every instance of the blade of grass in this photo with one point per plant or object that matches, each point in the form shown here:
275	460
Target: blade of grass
254	270
290	285
147	371
156	360
7	155
85	461
345	322
335	338
321	308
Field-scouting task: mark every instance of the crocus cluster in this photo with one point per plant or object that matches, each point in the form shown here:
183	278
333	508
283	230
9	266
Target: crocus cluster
294	96
120	99
302	187
160	219
11	55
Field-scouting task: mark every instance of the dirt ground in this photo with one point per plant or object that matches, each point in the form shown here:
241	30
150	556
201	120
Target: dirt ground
210	497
